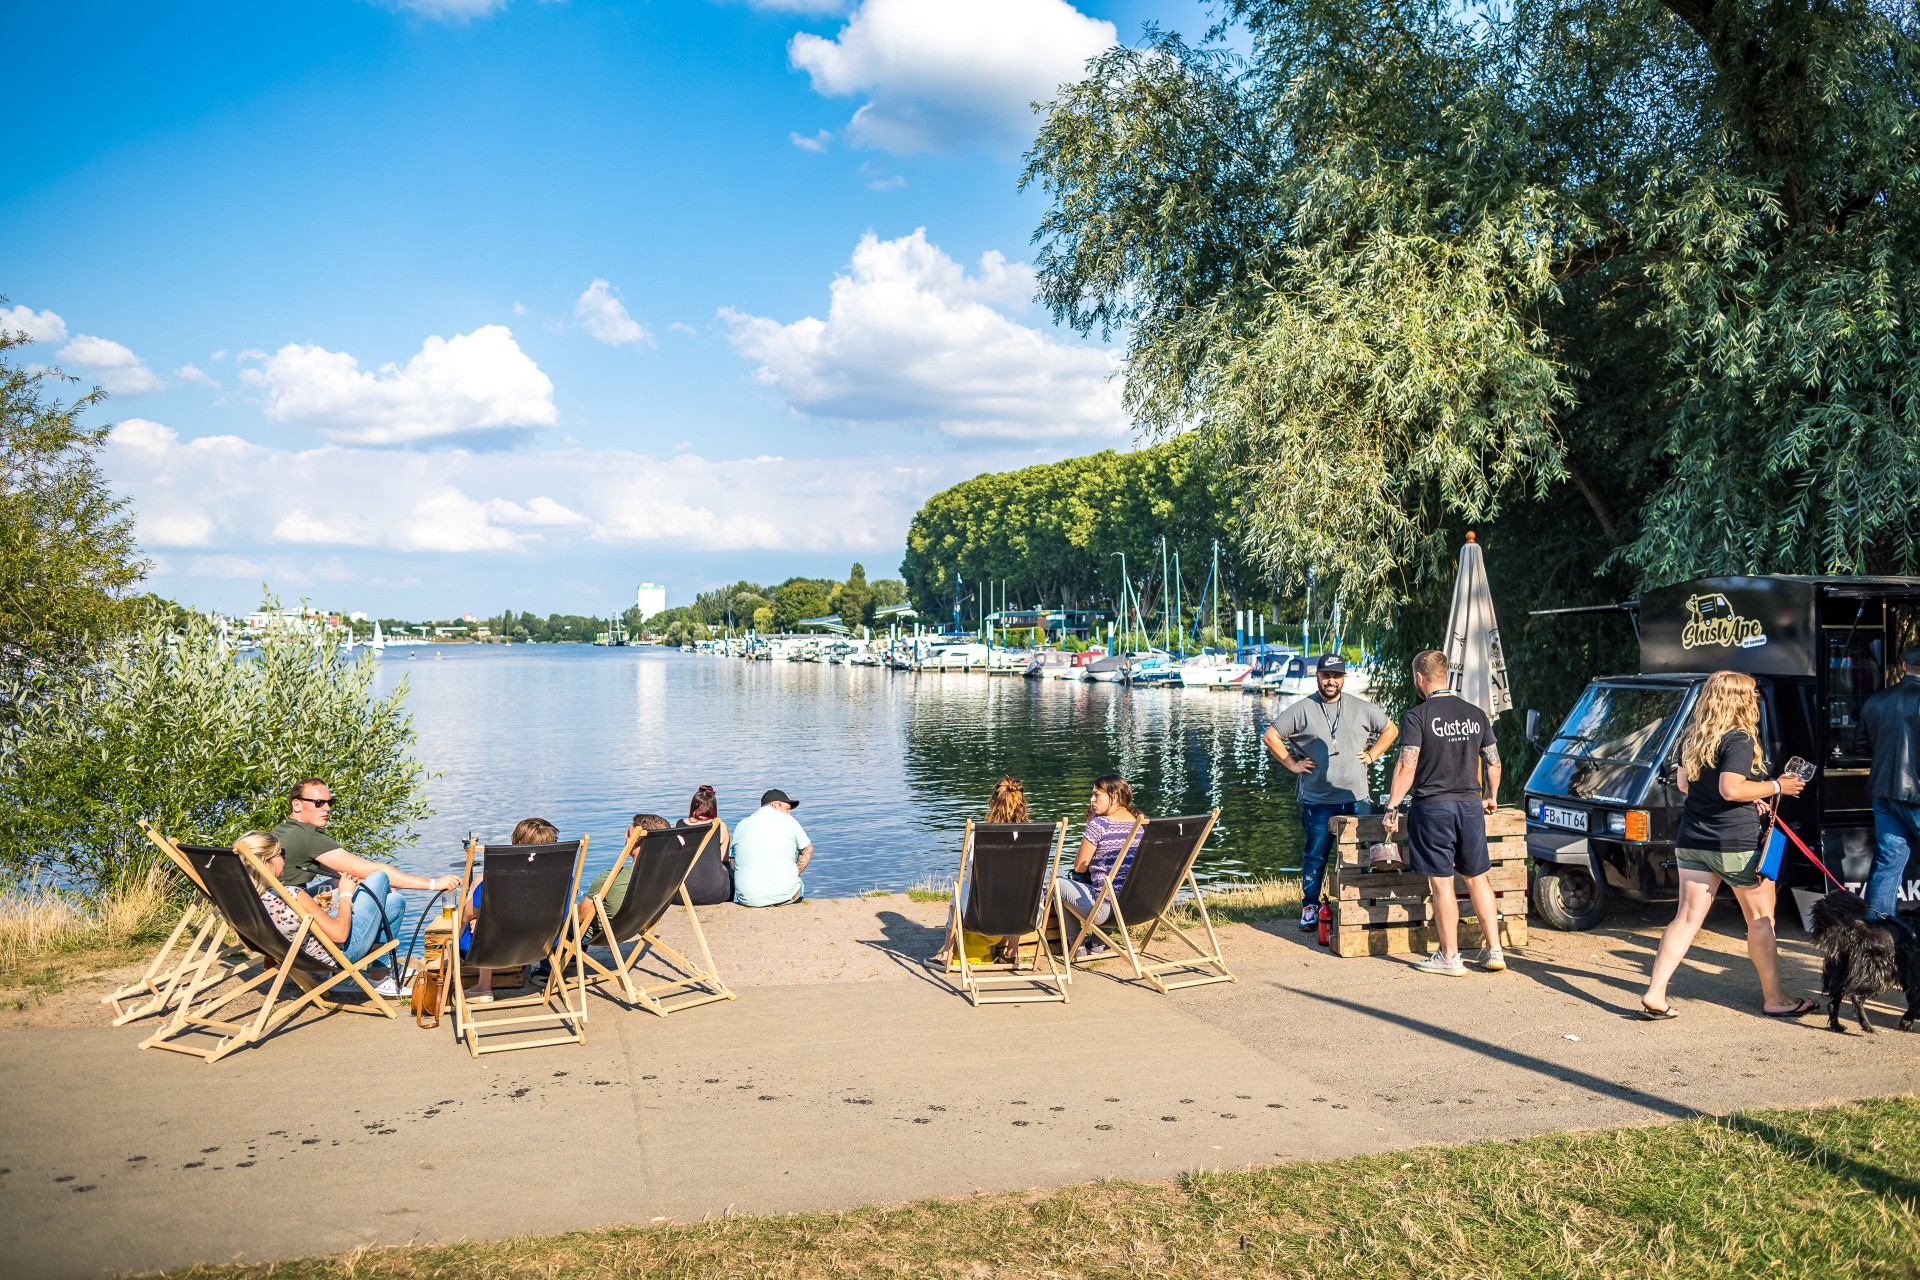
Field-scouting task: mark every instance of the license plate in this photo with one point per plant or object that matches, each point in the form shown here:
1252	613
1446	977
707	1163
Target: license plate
1572	819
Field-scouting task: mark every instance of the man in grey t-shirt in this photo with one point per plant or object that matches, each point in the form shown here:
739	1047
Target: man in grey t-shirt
1329	739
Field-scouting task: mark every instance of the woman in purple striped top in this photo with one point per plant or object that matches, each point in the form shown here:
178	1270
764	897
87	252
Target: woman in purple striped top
1110	833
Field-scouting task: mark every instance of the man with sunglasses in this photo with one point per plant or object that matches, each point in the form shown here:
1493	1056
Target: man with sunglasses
311	853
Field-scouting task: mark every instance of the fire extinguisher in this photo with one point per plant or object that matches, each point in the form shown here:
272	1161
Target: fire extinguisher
1326	920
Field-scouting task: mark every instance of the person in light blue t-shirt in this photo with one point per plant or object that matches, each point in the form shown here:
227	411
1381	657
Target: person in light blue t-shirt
770	850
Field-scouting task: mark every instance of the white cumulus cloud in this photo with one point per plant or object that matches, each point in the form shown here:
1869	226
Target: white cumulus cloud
39	326
941	74
117	368
222	496
913	337
602	314
473	387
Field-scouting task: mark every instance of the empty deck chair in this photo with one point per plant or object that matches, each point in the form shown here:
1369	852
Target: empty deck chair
661	862
1161	865
167	976
526	914
233	882
1005	889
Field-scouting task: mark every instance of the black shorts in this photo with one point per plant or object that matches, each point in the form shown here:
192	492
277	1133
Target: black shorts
1447	837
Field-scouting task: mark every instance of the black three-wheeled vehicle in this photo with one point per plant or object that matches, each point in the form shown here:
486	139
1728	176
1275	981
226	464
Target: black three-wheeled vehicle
1602	805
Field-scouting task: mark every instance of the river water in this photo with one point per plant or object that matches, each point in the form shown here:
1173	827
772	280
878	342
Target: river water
887	765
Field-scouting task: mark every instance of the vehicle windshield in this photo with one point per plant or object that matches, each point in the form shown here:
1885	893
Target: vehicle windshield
1619	722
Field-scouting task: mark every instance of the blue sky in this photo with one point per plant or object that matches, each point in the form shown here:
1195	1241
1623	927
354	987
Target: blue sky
458	304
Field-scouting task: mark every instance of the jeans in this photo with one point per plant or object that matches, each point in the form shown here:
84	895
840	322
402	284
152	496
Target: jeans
1896	833
368	929
1313	856
1079	897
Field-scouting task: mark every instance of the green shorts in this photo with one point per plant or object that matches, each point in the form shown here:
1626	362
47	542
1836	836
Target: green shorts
1738	867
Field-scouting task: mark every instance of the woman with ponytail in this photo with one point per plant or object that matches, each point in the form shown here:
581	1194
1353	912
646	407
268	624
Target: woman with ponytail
711	879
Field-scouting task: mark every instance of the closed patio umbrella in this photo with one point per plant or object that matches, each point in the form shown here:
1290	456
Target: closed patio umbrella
1476	666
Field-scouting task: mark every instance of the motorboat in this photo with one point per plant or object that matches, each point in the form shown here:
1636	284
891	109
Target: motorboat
1046	661
1105	670
1212	671
1153	668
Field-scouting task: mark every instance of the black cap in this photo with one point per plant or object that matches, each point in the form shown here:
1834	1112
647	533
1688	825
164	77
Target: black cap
777	796
1332	664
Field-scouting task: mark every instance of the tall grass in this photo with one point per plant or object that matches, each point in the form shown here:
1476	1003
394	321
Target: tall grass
41	923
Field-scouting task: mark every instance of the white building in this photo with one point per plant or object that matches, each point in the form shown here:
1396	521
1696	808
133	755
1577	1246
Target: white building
651	599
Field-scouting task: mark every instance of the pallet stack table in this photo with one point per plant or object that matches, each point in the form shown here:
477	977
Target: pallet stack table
1391	913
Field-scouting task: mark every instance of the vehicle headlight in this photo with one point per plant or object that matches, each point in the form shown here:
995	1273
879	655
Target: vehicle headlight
1616	824
1533	808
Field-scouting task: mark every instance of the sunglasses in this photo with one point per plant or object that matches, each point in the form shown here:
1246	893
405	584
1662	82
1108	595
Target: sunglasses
319	804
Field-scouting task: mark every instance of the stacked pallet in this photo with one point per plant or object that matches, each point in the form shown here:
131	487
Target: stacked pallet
1391	913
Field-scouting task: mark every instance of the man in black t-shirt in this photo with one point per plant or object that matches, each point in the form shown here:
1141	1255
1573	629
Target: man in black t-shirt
1444	742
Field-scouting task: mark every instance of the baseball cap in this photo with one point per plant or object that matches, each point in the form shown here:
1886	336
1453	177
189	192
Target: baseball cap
1332	664
777	796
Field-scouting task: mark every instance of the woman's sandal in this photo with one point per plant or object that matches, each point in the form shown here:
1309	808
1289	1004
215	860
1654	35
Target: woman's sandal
1650	1014
1801	1010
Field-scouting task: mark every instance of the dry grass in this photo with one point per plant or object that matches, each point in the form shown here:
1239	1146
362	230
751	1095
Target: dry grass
50	936
1244	902
1827	1192
931	889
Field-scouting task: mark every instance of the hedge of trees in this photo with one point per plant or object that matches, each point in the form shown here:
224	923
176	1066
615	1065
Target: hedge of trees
773	608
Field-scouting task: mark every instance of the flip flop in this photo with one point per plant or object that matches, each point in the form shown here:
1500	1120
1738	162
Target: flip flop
1806	1007
1650	1014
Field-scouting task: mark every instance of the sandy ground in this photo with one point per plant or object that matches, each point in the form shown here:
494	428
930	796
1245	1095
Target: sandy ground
847	1073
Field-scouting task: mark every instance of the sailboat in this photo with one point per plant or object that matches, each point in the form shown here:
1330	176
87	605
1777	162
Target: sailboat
379	641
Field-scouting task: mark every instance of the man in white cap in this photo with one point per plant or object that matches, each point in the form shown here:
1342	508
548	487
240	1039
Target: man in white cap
1329	739
770	850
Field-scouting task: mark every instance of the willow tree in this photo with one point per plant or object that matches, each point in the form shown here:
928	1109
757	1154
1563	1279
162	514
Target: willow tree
1635	279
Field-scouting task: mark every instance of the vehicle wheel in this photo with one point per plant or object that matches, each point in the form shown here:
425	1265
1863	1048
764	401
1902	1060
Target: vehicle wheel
1567	898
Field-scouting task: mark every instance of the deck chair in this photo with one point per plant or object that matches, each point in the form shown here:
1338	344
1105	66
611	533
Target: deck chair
661	862
1006	877
526	914
234	882
1161	865
166	977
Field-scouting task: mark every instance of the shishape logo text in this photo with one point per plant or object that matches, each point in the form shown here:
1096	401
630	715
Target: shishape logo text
1714	622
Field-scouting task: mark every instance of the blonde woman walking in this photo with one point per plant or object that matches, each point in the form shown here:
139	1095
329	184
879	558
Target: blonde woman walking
1723	773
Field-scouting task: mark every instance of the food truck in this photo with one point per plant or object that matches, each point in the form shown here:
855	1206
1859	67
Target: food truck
1603	805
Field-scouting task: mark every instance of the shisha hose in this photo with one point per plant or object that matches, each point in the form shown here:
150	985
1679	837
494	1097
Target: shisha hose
413	943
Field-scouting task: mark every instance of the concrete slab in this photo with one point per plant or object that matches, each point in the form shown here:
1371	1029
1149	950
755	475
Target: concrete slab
819	1092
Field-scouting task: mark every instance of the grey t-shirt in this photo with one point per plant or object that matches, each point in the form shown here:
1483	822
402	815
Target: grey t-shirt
1331	735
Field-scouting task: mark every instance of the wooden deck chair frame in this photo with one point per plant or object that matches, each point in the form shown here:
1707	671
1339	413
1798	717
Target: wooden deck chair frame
703	985
1207	963
473	1029
982	983
200	1003
167	975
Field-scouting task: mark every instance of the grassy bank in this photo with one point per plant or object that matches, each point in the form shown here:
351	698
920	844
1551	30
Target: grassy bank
50	937
1833	1191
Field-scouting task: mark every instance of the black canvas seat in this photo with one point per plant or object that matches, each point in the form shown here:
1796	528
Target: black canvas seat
168	975
233	883
526	914
658	864
1161	867
1006	890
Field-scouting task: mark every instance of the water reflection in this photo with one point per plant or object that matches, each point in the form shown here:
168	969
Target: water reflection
886	765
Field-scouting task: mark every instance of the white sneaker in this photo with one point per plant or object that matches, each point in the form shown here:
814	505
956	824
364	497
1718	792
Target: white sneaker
1444	965
1492	959
387	987
1309	917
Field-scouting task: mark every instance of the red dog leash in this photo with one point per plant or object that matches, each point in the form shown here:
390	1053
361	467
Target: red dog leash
1802	846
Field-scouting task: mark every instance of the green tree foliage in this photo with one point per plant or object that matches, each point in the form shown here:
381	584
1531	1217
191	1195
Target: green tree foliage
796	599
67	554
1051	532
167	726
854	600
1633	279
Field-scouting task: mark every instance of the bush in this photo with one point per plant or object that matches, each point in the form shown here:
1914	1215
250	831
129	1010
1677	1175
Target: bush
170	727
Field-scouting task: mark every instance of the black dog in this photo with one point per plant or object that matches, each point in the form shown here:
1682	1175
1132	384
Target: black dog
1864	958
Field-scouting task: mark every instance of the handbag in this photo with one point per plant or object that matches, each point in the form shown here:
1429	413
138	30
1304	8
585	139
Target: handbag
429	985
1773	851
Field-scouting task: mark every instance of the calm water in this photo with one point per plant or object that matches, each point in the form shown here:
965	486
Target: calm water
886	765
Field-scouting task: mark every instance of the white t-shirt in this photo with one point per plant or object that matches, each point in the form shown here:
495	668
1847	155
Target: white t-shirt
766	858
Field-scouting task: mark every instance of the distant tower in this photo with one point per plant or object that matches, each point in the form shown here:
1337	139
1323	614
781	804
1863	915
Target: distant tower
651	599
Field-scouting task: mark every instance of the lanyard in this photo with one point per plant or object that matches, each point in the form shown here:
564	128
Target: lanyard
1333	725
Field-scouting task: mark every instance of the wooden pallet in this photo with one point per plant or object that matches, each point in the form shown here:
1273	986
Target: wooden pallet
1391	913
